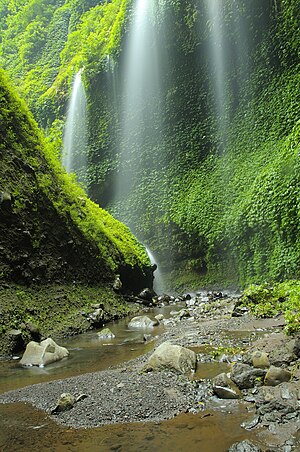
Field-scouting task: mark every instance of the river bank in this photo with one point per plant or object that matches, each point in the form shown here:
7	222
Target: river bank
126	394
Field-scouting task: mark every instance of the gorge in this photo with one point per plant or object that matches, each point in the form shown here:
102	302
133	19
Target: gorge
144	133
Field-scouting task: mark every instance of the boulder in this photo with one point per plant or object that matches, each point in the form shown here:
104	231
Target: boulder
282	355
64	403
173	357
142	321
260	360
276	375
244	446
245	377
117	285
106	333
159	317
96	317
43	353
146	294
5	198
225	388
164	299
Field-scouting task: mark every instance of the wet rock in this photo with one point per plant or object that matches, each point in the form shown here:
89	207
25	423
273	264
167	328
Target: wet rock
225	388
276	375
249	425
163	299
5	198
174	357
245	376
183	313
64	403
146	294
159	317
142	321
106	333
244	446
117	285
239	311
43	353
276	404
96	317
16	341
260	360
186	296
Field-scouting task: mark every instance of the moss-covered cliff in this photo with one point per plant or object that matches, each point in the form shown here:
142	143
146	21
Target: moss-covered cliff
50	230
59	252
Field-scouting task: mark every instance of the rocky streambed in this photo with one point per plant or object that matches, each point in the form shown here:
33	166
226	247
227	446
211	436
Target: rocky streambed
244	366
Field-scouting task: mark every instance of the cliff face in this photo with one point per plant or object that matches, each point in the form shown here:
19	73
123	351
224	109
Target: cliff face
216	193
50	232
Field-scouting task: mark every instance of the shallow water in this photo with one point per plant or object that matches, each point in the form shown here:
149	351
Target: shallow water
88	353
24	428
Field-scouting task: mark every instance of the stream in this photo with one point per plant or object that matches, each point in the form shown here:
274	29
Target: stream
24	427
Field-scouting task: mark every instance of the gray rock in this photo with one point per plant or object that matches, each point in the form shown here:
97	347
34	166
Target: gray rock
244	446
276	375
246	377
5	197
260	360
146	294
159	317
117	285
225	388
106	333
142	322
282	355
225	393
295	344
173	357
249	425
96	317
43	353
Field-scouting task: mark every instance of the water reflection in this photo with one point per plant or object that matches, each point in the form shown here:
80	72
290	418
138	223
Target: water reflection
24	428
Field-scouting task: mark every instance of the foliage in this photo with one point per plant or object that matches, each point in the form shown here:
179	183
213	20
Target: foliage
266	301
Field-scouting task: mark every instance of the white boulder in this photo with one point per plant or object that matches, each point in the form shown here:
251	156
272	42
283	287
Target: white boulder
173	357
43	353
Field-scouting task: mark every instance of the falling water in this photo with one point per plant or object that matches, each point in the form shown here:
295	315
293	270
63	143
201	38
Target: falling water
158	283
214	11
228	61
140	112
75	133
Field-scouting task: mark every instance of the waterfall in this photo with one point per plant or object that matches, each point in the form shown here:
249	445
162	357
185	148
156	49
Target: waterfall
139	110
158	283
216	61
75	132
227	59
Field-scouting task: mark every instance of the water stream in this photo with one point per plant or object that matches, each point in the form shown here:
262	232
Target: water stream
24	427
